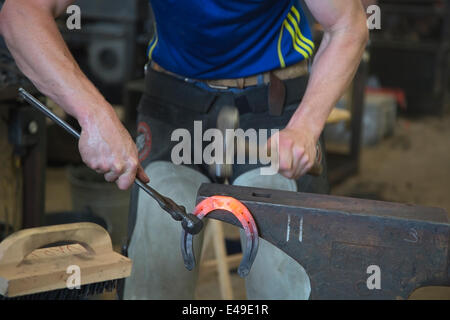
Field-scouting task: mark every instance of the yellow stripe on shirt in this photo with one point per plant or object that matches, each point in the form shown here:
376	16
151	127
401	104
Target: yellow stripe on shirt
280	53
304	39
296	47
153	46
298	34
295	11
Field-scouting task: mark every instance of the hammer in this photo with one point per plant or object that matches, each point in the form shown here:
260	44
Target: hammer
228	119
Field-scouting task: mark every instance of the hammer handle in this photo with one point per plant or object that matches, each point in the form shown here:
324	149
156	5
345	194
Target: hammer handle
317	168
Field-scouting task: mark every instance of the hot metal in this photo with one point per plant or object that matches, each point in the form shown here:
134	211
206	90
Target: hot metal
244	218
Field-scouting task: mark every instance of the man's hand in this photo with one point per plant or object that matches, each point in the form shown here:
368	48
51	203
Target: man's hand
106	146
296	151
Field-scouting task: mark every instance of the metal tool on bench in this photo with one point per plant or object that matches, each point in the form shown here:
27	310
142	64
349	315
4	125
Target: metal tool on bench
338	239
190	222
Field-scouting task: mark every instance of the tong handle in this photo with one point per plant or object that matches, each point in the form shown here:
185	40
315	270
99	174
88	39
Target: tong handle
166	203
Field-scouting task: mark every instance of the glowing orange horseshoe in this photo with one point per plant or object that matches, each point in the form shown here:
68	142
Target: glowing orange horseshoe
240	211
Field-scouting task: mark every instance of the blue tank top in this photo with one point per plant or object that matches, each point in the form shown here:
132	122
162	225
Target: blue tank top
223	39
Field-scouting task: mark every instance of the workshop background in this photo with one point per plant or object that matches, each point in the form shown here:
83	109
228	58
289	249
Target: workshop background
388	138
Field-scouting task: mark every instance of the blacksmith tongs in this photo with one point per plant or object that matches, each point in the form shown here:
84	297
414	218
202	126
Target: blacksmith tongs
190	222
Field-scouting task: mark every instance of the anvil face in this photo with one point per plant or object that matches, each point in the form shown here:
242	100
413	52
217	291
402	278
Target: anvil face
338	240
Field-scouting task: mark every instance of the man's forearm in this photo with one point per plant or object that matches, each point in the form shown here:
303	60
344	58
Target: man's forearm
333	69
35	42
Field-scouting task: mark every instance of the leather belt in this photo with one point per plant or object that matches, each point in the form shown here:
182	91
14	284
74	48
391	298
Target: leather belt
290	72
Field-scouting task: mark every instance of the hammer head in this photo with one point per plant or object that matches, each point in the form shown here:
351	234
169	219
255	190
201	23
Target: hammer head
228	118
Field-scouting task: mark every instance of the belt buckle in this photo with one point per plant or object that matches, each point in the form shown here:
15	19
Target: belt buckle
217	87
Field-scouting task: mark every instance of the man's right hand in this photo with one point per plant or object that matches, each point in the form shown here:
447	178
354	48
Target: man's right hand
106	147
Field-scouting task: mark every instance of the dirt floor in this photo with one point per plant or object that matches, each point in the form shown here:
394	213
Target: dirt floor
412	166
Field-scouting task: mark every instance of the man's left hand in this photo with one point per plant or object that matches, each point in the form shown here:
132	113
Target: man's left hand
296	151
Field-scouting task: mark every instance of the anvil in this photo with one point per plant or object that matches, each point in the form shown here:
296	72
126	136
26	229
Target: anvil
339	241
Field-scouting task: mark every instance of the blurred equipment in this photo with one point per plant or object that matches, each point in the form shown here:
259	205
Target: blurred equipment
109	203
32	267
379	120
344	163
23	142
10	76
85	215
111	50
340	241
27	134
380	115
111	44
411	51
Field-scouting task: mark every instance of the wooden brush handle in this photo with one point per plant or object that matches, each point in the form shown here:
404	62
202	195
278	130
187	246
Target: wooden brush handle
20	244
